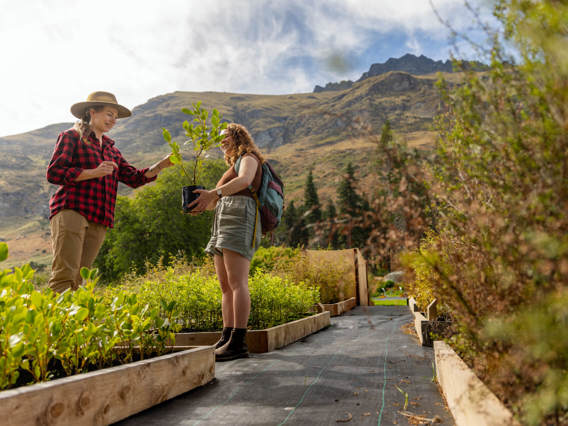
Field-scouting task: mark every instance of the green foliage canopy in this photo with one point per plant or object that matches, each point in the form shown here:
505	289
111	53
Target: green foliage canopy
151	227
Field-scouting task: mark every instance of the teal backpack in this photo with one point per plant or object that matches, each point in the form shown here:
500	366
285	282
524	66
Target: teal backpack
269	199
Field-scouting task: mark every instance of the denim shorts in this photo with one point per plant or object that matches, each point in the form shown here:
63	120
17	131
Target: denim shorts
233	226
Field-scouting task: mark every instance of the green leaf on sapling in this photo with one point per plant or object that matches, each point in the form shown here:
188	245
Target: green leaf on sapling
166	134
3	251
215	118
93	274
84	273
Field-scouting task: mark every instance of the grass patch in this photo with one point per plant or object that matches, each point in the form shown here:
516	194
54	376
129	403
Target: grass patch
377	301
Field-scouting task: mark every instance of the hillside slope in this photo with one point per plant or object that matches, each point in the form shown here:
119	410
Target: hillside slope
320	130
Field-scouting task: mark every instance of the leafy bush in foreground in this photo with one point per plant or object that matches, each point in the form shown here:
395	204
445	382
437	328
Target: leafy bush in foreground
44	335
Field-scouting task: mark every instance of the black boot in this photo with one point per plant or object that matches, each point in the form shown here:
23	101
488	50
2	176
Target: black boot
225	336
234	348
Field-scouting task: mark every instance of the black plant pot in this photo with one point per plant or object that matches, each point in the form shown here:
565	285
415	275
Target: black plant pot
187	196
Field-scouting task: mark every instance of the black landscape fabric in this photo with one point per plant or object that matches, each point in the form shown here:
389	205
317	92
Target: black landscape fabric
361	370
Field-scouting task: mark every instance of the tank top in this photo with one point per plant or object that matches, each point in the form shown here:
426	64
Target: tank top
231	174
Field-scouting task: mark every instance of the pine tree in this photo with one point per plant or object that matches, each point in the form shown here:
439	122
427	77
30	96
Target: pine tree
330	211
311	200
290	215
332	237
349	201
353	205
389	166
297	233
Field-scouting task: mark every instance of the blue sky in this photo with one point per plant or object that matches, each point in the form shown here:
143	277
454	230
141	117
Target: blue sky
55	52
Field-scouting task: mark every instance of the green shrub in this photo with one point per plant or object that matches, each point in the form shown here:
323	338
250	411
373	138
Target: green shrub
537	339
275	258
194	299
327	274
276	300
423	267
501	247
44	335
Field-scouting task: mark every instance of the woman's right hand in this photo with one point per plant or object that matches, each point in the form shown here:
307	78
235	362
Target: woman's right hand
104	169
206	198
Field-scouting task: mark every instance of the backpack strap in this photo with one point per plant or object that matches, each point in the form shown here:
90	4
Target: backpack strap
255	196
237	165
255	219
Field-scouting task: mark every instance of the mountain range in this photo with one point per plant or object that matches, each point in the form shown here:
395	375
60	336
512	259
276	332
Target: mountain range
323	131
412	64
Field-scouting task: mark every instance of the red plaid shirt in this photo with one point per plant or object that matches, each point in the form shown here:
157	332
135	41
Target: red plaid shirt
93	198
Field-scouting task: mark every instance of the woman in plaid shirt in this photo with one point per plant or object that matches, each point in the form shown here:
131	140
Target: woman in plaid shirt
87	166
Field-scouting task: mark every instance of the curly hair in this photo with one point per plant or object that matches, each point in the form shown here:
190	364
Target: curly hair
242	144
83	126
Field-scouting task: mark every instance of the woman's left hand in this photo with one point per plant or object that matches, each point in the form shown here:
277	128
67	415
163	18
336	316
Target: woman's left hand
205	199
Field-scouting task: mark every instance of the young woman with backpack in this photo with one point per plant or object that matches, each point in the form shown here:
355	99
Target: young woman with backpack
235	235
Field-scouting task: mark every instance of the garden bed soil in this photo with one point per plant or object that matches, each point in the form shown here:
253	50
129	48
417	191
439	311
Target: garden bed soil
261	341
340	308
469	400
110	394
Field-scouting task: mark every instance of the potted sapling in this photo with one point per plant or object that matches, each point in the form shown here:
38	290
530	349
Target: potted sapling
201	136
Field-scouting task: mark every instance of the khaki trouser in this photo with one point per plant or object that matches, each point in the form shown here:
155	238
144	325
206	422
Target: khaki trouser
75	242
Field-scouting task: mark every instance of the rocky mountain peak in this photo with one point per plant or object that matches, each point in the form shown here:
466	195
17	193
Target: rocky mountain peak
412	64
417	65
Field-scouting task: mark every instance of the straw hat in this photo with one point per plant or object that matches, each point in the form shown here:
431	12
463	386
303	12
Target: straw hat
99	98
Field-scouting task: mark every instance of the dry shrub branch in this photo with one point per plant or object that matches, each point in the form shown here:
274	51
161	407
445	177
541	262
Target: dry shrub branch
499	256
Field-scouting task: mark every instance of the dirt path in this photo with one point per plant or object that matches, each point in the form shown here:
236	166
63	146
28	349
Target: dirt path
356	372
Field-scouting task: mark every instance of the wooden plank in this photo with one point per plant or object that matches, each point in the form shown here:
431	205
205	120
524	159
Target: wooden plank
469	400
362	278
425	327
109	395
432	310
340	308
283	335
420	322
261	341
412	305
198	338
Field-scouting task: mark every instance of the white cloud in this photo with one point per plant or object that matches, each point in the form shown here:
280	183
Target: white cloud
55	52
414	46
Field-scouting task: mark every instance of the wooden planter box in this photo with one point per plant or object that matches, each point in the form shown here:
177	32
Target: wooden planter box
260	341
424	327
412	305
469	400
108	395
340	308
